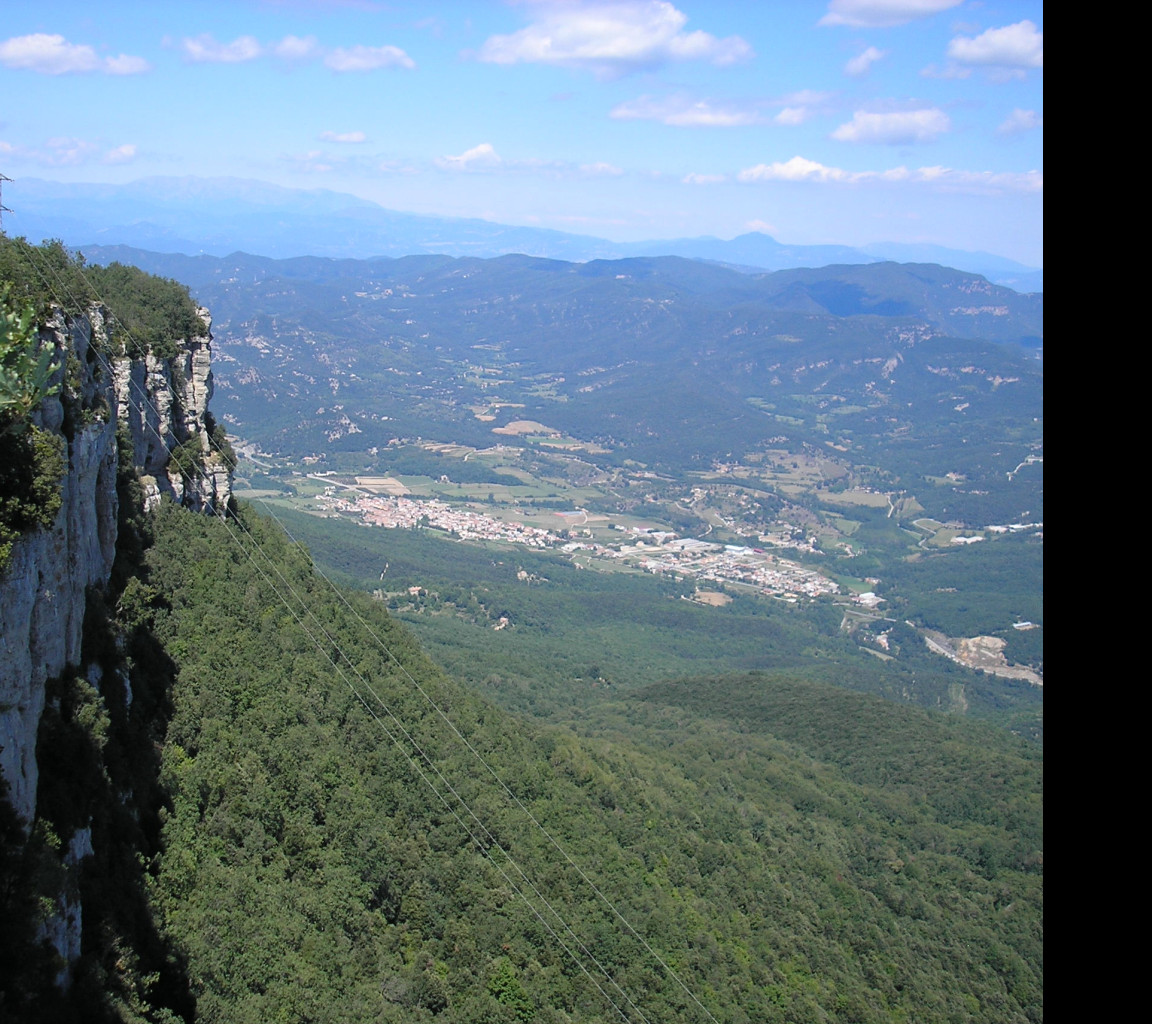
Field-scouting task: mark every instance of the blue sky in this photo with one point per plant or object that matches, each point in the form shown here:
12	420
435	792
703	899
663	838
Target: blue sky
850	121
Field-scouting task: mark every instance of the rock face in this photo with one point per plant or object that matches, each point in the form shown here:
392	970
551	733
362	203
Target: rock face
163	403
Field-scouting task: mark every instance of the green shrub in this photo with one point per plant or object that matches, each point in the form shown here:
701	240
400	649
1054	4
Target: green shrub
31	469
151	313
188	457
25	368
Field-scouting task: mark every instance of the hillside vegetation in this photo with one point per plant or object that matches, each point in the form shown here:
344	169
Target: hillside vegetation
794	851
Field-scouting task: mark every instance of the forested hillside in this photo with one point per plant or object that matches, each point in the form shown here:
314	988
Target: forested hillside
333	851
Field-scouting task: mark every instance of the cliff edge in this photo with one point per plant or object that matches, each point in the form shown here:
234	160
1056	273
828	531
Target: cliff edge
104	408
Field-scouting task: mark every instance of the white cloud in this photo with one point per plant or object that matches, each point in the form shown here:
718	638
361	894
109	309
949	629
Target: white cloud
479	157
295	48
368	58
125	65
898	127
64	151
860	64
684	112
945	179
704	179
1013	46
799	107
796	169
1020	121
350	137
612	39
882	13
121	154
792	116
762	226
54	55
484	158
203	49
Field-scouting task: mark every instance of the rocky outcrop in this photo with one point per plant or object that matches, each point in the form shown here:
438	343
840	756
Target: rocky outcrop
42	591
163	403
162	406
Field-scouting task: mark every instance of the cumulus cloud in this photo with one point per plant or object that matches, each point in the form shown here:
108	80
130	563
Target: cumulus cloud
368	58
898	127
796	169
1020	121
882	13
612	39
481	157
860	64
54	55
1013	46
203	49
684	112
800	169
343	136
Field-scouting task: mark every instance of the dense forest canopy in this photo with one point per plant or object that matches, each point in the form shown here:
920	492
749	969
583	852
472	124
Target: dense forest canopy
150	313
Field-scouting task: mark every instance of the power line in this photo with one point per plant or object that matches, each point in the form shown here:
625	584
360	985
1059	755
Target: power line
223	515
492	840
503	785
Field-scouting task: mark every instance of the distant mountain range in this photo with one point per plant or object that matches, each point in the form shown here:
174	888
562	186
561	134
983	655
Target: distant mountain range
219	216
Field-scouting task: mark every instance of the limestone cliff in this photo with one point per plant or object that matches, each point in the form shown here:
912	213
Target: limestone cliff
161	405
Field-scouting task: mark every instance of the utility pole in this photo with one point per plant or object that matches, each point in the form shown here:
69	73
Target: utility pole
3	209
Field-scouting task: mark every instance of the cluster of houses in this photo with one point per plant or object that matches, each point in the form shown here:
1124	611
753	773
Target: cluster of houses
731	563
657	551
400	512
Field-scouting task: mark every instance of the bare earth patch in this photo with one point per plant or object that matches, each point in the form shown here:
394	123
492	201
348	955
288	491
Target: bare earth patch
525	427
712	597
382	485
983	652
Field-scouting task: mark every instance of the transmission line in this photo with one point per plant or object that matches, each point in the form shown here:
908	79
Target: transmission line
223	515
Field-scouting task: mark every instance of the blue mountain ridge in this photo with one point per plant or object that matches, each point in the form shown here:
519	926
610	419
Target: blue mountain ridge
218	216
